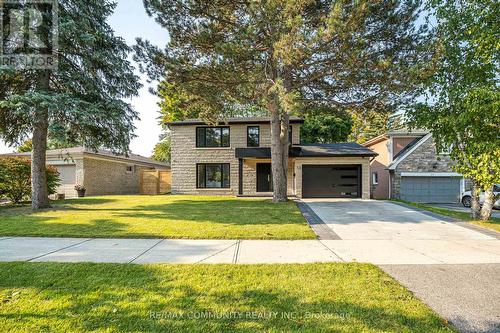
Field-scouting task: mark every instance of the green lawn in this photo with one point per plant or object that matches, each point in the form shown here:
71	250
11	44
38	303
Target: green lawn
169	216
56	297
493	223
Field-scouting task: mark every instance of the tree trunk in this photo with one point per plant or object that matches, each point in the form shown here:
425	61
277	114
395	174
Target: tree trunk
39	192
489	199
475	206
279	150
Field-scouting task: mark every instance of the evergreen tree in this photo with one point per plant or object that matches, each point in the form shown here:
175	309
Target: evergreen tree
280	55
82	101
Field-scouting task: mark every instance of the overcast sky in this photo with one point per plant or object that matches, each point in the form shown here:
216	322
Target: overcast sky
130	21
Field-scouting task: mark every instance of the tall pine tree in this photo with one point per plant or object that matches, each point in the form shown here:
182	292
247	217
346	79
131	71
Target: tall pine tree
83	101
283	54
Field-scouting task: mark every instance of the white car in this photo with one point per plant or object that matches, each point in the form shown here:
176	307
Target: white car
467	199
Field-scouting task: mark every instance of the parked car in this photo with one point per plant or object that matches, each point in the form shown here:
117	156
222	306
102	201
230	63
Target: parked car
466	198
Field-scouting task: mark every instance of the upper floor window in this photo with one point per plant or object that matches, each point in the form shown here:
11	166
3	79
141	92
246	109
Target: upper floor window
290	135
212	137
253	136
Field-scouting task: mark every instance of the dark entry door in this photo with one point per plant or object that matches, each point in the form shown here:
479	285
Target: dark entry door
331	181
264	177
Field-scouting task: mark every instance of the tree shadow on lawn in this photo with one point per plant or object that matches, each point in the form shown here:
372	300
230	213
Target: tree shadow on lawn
164	298
36	226
240	212
159	219
55	205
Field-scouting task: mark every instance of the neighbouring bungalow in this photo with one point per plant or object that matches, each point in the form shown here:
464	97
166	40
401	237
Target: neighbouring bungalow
100	172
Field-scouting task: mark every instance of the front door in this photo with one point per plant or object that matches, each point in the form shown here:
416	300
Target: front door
264	177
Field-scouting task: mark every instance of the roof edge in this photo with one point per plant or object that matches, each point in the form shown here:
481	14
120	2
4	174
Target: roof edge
375	140
401	158
242	120
79	152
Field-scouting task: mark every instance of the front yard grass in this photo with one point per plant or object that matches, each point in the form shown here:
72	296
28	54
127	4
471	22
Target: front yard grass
493	223
169	216
336	297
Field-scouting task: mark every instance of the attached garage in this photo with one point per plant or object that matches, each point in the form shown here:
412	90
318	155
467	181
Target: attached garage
331	181
329	170
431	189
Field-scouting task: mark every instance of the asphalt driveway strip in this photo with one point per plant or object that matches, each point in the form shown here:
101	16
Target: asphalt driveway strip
468	296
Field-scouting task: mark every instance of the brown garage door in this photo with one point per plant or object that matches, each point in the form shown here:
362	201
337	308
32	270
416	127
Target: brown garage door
331	181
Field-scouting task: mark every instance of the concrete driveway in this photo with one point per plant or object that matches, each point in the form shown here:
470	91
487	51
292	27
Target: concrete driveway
356	219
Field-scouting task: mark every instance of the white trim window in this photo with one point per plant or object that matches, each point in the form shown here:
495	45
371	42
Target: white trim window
375	178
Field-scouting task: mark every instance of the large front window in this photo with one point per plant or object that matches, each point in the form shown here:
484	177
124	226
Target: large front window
212	175
212	137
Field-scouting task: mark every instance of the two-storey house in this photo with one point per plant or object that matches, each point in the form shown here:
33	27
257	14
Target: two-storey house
234	158
409	167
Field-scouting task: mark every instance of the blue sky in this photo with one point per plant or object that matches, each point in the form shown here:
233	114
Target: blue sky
131	21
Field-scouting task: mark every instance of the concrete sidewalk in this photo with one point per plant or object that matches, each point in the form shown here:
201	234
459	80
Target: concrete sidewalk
380	252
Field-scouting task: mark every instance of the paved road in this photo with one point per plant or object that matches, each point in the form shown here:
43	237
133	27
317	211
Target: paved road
461	208
467	295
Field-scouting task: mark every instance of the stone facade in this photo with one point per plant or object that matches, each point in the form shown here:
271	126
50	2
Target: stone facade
185	156
423	159
250	177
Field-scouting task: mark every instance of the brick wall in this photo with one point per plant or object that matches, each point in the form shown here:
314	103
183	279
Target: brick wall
423	159
185	155
103	177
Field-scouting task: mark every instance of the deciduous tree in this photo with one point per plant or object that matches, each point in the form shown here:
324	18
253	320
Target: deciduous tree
462	109
325	125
